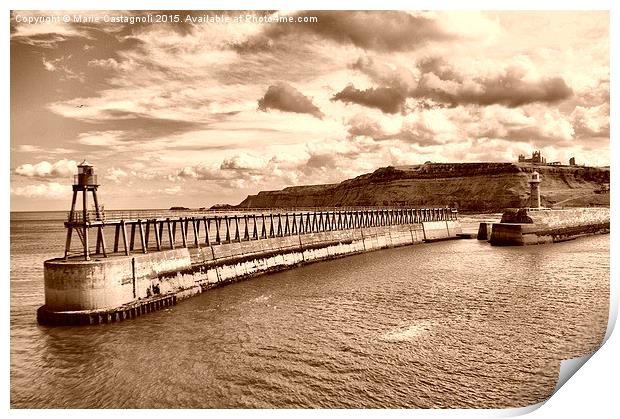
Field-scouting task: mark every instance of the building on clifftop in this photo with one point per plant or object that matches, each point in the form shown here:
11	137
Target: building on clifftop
535	159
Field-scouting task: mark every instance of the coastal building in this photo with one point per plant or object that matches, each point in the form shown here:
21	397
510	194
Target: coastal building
536	158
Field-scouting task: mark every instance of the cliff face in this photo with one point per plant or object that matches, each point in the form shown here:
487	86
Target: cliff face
471	187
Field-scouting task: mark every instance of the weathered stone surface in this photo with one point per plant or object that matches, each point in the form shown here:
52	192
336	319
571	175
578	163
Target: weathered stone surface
516	215
549	226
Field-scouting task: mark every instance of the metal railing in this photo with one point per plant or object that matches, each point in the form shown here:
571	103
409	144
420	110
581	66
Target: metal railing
210	229
91	216
129	215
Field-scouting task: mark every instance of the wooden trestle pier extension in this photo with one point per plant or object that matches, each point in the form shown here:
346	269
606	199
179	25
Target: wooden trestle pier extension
136	233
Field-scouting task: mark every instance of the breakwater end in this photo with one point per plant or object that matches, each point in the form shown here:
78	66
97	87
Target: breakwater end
525	226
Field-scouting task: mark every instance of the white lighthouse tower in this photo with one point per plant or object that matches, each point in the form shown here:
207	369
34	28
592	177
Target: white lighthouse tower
535	190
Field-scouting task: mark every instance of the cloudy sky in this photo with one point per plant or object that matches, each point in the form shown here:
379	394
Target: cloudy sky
195	113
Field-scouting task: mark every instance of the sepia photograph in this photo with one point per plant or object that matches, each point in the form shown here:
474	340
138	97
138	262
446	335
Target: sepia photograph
306	209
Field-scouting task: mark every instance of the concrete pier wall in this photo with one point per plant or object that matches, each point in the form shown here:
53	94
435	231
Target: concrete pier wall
104	283
118	282
539	226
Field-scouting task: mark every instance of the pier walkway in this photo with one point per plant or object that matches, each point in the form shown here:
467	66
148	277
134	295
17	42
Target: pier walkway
154	231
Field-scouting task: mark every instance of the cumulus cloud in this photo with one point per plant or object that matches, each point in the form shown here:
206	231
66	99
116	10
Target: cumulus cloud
534	124
386	31
361	125
387	99
591	121
430	127
396	76
116	174
286	98
206	171
240	166
508	89
50	190
436	80
45	169
423	128
244	161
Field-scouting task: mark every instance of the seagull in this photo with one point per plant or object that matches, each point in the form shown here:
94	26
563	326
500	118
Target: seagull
81	106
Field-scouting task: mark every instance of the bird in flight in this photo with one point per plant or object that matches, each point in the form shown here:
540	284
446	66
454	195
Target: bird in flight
81	106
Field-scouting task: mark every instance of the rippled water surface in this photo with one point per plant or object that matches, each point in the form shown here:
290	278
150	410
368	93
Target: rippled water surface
449	324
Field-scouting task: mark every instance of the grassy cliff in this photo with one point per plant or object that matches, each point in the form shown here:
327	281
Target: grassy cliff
471	187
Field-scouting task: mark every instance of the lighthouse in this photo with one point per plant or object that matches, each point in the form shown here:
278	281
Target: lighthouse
535	190
85	181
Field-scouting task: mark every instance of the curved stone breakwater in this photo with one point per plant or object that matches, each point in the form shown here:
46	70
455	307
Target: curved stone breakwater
120	287
527	226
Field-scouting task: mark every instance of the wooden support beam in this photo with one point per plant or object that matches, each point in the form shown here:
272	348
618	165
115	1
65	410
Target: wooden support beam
237	235
227	222
98	215
125	237
86	249
183	232
146	234
207	222
294	226
142	241
280	232
98	241
117	233
287	227
133	237
105	254
68	242
196	232
217	220
271	230
73	205
170	234
84	220
157	229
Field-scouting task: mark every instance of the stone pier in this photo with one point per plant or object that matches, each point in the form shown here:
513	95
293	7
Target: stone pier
130	281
